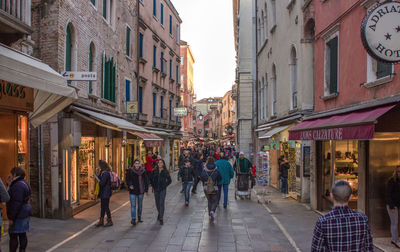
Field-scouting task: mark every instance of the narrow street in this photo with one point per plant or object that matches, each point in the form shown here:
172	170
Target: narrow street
244	226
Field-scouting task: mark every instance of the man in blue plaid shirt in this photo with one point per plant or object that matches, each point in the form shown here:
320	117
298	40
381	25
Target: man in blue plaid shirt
342	229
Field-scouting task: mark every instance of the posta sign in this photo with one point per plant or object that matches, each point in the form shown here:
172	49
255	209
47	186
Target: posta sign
380	32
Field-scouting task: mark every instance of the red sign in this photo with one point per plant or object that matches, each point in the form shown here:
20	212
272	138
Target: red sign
360	132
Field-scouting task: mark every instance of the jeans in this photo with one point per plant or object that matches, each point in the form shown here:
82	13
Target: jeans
160	202
133	198
284	185
23	241
212	202
226	189
187	187
394	221
105	208
195	183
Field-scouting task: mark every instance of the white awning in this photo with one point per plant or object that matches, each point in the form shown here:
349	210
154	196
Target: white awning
274	131
113	121
52	93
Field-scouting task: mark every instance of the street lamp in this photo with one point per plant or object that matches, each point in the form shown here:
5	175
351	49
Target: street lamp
200	116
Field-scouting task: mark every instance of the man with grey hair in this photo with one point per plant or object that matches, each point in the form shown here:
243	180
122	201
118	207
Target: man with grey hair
342	229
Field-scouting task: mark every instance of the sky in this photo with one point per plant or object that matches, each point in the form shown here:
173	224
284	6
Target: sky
208	28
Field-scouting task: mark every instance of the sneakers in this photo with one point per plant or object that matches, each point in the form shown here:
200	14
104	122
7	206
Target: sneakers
186	203
212	216
161	222
133	222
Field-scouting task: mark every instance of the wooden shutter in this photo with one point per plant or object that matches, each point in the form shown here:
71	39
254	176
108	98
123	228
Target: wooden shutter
141	45
140	100
68	49
113	80
90	66
333	76
154	104
105	9
127	90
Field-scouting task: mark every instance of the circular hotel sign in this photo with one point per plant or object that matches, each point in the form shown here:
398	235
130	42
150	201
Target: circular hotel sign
380	32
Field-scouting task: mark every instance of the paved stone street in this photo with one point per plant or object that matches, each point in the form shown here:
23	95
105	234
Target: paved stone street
244	226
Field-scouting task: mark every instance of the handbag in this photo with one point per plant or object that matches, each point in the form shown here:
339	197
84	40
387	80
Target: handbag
97	189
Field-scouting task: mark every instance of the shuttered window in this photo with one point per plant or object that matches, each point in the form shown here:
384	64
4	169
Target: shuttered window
109	79
170	110
128	41
383	70
105	9
93	2
154	56
127	90
91	62
170	69
162	62
162	106
140	99
162	13
154	103
170	24
333	65
140	45
155	8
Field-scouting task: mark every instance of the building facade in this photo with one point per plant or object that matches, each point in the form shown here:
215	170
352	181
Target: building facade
244	39
159	74
187	89
355	137
284	86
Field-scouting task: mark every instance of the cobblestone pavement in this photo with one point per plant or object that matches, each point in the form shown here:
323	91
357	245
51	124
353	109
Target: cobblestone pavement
245	225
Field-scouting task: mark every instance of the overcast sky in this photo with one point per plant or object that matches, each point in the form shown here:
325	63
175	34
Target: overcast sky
208	28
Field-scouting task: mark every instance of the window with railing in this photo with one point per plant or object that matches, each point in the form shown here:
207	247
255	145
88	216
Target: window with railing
20	9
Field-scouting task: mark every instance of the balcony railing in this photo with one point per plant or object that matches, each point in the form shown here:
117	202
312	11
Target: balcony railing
15	18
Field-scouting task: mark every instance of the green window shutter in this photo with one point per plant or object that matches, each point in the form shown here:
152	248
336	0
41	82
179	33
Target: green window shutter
383	70
93	2
105	9
107	78
333	78
102	75
90	67
68	49
128	41
113	83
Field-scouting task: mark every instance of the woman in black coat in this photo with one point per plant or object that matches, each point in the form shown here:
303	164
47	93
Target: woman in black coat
18	209
138	184
104	178
160	180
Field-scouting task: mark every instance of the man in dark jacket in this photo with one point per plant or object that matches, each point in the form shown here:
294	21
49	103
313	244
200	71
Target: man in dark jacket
181	163
187	174
197	164
242	165
284	174
211	174
138	184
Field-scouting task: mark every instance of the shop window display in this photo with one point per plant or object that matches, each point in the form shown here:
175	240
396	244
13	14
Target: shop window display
87	168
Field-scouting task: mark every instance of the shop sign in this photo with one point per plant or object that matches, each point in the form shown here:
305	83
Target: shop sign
275	145
292	144
380	32
132	107
180	111
14	96
80	76
267	148
322	134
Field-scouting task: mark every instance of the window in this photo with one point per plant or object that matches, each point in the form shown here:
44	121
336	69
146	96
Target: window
259	33
273	5
262	26
170	110
108	10
140	45
70	49
127	90
108	79
177	34
162	14
266	97
331	66
170	69
265	17
105	9
293	77
91	64
162	106
177	73
128	41
176	106
154	56
274	91
260	114
162	62
182	61
154	103
383	69
155	8
170	24
140	99
93	2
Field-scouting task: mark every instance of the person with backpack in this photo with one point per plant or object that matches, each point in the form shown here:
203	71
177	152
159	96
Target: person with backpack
138	184
211	177
18	210
187	174
198	168
226	170
160	180
103	176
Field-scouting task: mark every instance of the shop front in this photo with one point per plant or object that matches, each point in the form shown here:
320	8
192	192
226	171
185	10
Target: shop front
361	147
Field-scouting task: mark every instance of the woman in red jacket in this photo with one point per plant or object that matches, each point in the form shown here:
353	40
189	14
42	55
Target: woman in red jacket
149	162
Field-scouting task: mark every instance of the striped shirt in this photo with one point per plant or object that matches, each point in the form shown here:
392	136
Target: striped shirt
342	230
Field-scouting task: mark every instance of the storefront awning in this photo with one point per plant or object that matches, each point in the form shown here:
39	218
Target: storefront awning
355	125
108	120
274	131
149	139
51	95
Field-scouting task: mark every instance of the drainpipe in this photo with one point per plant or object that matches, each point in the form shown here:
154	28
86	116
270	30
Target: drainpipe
137	54
41	172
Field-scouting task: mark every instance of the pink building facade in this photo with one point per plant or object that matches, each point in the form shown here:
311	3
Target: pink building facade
355	127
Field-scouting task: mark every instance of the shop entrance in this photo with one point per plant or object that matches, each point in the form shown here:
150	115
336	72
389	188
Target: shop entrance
87	168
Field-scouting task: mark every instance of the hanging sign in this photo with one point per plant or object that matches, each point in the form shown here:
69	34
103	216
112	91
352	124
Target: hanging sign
380	32
132	107
180	111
